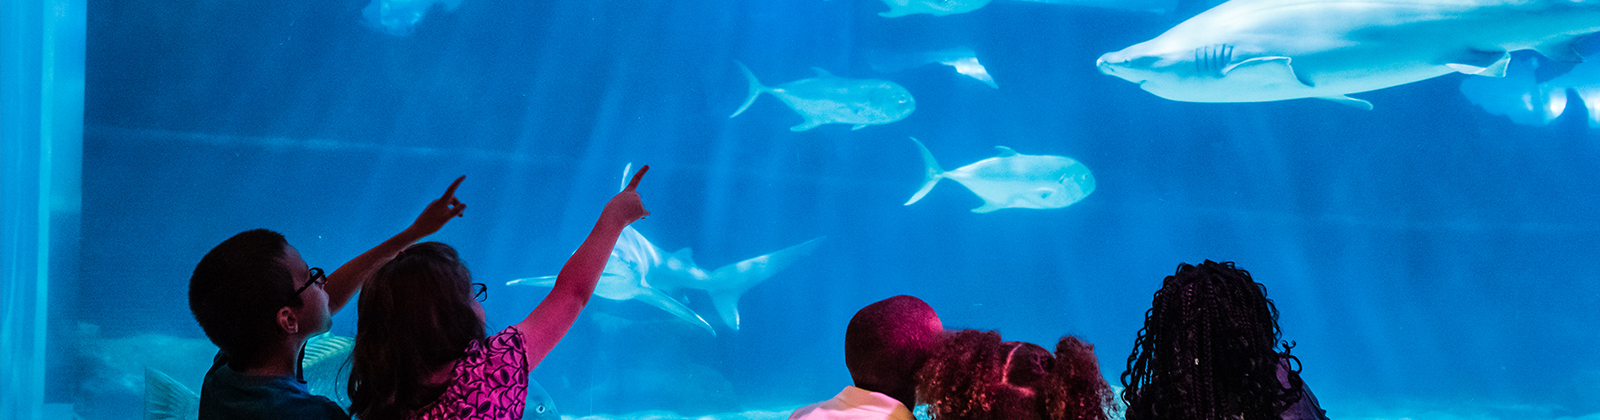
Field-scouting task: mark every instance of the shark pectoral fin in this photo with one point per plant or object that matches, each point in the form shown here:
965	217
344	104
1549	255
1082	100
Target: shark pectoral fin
987	207
1272	70
932	172
732	280
1482	63
166	398
1005	151
1346	100
858	127
1560	50
546	281
666	303
809	124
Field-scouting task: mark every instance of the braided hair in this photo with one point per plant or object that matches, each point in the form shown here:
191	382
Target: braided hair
1208	350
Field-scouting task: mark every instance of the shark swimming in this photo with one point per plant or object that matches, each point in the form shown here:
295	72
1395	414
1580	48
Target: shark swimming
1273	50
1014	180
400	17
638	270
829	99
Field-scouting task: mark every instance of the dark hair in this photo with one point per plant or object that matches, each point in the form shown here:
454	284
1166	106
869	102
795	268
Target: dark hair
416	316
237	289
887	342
975	376
1207	350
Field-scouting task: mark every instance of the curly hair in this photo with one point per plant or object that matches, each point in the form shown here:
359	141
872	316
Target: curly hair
1208	350
416	315
976	376
237	289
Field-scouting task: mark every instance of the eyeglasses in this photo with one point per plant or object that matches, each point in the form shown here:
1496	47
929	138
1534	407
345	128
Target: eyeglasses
316	278
480	291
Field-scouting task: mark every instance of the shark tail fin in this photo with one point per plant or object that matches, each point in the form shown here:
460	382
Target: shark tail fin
165	398
755	89
934	173
733	280
546	281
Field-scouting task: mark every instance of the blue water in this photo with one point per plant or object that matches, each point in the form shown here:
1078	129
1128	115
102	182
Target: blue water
1431	260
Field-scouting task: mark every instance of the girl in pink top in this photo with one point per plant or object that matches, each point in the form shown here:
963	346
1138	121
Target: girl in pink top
421	352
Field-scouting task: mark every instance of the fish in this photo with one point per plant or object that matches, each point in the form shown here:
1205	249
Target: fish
829	99
400	17
962	59
639	270
1013	180
1275	50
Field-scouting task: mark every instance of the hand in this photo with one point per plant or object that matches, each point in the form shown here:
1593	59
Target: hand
439	212
625	207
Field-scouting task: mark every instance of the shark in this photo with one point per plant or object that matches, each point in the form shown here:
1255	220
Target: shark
1013	180
326	371
1274	50
1525	100
400	17
829	99
638	270
963	59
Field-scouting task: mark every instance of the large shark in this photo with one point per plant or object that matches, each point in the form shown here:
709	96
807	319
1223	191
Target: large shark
1272	50
326	371
638	270
400	17
1014	180
829	99
963	59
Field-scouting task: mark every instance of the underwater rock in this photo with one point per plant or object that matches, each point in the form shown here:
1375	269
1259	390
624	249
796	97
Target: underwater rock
829	99
1014	180
1273	50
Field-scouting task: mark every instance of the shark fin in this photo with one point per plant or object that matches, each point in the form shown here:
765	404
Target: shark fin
822	73
733	280
666	303
1346	100
755	90
987	207
1496	68
1006	151
858	127
1270	68
931	170
1560	50
970	67
165	398
809	124
546	281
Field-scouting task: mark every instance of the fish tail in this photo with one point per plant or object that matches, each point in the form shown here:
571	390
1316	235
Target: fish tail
755	89
934	173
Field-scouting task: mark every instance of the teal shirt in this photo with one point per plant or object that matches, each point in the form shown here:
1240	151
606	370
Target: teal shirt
231	395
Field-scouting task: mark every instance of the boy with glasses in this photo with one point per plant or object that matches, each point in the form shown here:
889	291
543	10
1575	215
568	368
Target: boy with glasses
259	302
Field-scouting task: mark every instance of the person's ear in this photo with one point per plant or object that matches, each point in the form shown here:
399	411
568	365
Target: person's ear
288	322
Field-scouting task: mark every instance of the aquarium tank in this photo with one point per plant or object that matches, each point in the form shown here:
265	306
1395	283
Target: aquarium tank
1418	196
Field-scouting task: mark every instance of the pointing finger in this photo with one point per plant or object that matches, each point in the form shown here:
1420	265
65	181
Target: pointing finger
448	194
636	175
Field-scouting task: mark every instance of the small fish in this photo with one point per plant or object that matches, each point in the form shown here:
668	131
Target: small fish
1014	180
829	99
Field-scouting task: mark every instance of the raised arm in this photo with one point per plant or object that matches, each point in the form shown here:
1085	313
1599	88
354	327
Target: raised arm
345	281
550	321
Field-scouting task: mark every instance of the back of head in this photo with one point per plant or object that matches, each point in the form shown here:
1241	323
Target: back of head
888	341
976	376
1076	390
1207	350
416	316
237	289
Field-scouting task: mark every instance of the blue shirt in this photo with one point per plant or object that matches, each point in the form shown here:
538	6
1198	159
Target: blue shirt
232	395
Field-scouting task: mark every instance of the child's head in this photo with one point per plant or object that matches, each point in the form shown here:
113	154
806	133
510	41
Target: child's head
976	376
418	312
888	341
252	291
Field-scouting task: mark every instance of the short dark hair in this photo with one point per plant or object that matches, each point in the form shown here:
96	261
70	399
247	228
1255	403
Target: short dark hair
237	289
888	341
1208	350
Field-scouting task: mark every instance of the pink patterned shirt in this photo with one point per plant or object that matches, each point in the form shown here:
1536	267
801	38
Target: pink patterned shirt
490	382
